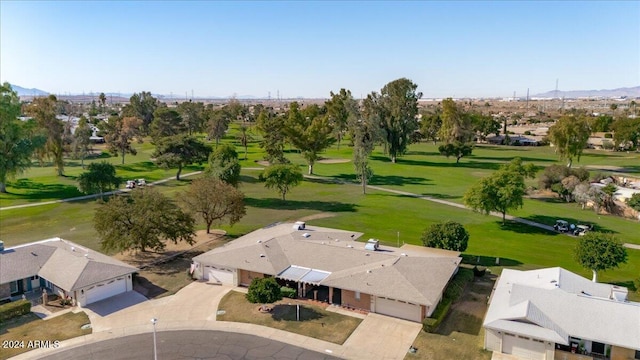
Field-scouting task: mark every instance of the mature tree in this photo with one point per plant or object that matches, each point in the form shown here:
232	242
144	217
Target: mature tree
99	178
281	177
364	134
16	144
120	134
569	185
634	201
598	251
217	123
272	130
456	149
43	110
142	220
626	131
235	110
456	124
142	106
224	165
554	174
430	125
601	123
193	116
581	194
264	291
82	140
244	137
179	151
607	200
103	100
484	125
309	134
448	235
166	122
340	109
502	190
396	108
569	136
215	201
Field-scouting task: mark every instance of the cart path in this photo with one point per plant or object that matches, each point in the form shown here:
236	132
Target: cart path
379	188
92	196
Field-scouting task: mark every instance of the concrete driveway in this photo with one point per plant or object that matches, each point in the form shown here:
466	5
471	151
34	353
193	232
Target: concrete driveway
194	308
381	337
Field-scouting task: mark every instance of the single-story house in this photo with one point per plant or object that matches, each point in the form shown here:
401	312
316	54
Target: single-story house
64	268
331	266
556	314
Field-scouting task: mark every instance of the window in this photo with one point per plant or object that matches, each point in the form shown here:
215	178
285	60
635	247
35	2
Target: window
357	295
637	354
14	287
597	348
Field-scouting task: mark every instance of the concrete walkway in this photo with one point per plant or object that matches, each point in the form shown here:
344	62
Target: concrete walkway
195	308
92	196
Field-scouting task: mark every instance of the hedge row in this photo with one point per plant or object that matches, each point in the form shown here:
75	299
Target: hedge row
288	292
451	294
14	309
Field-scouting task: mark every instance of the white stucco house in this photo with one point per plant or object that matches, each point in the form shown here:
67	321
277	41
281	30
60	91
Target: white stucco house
329	265
64	268
554	314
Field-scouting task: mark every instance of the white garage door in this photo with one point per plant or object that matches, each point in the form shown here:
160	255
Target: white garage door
213	274
105	290
398	309
523	347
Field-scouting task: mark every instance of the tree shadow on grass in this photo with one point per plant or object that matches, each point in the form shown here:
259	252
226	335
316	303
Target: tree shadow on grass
629	284
500	147
423	153
521	228
507	159
273	203
488	260
137	167
38	191
464	163
284	312
441	196
550	200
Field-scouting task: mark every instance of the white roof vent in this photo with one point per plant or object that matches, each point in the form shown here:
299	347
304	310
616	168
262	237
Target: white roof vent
73	248
368	271
86	256
403	254
262	255
305	235
349	246
259	241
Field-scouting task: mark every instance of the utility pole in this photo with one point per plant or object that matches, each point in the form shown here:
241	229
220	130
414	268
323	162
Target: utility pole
527	98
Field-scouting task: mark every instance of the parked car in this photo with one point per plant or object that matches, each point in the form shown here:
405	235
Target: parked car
561	225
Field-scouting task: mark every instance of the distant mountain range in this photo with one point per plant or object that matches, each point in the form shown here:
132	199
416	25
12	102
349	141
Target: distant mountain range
28	92
630	92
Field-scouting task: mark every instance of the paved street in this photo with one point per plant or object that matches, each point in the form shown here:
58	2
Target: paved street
189	345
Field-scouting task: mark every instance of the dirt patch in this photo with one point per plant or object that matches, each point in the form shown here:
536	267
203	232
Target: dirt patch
142	259
474	301
263	163
333	161
542	194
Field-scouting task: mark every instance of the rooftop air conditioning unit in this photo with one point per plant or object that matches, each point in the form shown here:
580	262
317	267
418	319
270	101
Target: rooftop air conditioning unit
372	245
299	225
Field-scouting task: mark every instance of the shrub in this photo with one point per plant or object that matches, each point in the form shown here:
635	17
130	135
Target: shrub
527	132
430	324
14	309
264	290
288	292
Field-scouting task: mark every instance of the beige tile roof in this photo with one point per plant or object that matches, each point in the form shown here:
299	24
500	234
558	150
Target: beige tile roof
411	273
66	264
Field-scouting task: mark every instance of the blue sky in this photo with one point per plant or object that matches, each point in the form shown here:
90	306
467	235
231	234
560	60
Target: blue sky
299	48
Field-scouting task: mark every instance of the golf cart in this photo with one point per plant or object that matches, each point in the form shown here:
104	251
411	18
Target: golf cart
131	184
581	230
561	226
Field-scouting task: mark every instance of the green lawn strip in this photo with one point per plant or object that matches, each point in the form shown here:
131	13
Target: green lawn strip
316	322
30	328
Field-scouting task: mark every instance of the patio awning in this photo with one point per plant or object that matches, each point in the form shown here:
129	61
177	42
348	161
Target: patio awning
304	274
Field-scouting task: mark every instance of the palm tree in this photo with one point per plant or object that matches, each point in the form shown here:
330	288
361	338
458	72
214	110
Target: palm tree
244	138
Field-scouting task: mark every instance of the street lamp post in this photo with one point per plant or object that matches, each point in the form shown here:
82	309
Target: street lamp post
155	351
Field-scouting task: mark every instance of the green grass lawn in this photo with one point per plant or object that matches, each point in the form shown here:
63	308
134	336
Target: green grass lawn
316	322
389	217
29	327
